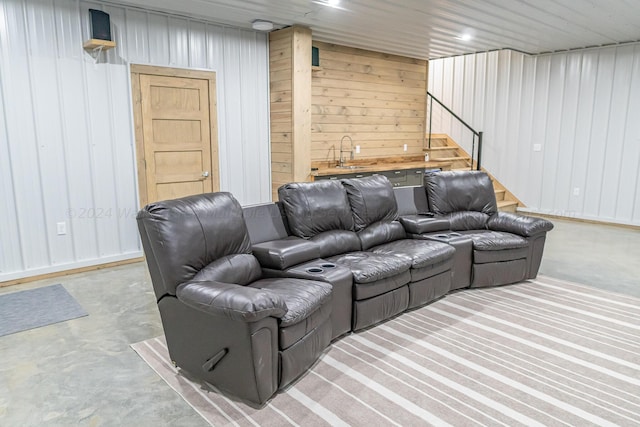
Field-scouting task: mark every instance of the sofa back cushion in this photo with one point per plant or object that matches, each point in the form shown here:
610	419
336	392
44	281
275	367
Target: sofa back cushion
180	237
265	222
371	199
411	200
450	191
315	207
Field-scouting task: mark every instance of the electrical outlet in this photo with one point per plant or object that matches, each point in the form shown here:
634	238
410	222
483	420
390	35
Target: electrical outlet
576	191
62	228
405	147
537	147
357	149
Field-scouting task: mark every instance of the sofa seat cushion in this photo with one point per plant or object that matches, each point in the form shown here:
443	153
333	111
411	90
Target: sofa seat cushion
368	267
367	290
495	240
497	246
289	335
336	242
301	296
422	253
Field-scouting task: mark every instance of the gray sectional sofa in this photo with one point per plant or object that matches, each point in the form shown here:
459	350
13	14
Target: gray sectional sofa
250	297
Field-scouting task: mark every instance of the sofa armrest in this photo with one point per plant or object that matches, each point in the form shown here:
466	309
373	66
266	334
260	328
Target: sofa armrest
418	224
233	301
284	253
518	224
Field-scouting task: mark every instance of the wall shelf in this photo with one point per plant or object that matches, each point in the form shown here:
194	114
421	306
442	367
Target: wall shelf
97	44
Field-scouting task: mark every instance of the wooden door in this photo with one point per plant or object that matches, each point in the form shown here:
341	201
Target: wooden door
175	132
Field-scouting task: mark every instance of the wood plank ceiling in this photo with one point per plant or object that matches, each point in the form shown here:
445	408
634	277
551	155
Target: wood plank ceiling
429	29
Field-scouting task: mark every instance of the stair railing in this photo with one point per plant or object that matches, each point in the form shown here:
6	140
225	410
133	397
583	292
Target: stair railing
476	135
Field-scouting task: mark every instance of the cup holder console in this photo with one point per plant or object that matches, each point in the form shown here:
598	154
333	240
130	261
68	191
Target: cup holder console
320	268
448	235
328	265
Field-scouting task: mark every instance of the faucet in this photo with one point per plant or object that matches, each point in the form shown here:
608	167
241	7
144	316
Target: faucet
341	161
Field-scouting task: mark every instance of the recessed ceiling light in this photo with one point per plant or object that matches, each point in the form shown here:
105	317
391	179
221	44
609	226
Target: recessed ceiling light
262	25
464	37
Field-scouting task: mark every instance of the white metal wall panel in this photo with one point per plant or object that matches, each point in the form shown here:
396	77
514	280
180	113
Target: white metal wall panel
630	168
21	137
10	244
615	137
66	143
580	107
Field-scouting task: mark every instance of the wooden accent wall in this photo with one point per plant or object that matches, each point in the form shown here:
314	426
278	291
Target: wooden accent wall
379	100
290	92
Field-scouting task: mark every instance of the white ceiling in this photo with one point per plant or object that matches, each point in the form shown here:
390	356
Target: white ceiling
428	28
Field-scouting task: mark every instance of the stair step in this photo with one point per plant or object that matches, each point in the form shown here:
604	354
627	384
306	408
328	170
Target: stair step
507	206
500	194
443	148
450	159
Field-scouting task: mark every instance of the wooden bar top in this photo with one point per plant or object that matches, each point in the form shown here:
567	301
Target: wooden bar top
379	165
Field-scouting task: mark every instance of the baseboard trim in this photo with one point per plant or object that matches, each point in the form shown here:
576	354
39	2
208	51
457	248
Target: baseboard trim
65	272
533	212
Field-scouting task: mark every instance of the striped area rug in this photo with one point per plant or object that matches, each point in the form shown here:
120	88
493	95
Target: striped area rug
542	352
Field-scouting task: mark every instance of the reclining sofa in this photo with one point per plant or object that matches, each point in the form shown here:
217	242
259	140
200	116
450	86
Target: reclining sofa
251	297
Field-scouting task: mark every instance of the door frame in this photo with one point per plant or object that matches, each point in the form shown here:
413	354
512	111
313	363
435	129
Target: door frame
135	71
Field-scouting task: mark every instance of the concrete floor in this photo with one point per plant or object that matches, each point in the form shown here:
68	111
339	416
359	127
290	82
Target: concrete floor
83	372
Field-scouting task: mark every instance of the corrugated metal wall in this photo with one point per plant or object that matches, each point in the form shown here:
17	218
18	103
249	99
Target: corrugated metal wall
66	141
582	107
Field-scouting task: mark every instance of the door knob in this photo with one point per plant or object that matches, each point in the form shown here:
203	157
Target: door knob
205	174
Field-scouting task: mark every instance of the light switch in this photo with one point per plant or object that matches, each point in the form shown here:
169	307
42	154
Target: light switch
357	149
62	228
537	147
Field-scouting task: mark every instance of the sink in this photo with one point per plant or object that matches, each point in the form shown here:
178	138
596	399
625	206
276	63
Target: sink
349	167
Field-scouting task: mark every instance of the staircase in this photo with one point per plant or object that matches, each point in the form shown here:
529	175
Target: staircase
444	149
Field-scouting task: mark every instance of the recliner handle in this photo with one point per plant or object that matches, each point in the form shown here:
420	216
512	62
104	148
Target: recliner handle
210	364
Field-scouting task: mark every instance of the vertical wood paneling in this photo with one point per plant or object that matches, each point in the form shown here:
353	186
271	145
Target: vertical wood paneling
581	107
66	142
281	88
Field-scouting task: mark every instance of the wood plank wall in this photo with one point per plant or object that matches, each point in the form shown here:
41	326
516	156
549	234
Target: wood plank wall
290	80
281	84
377	99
